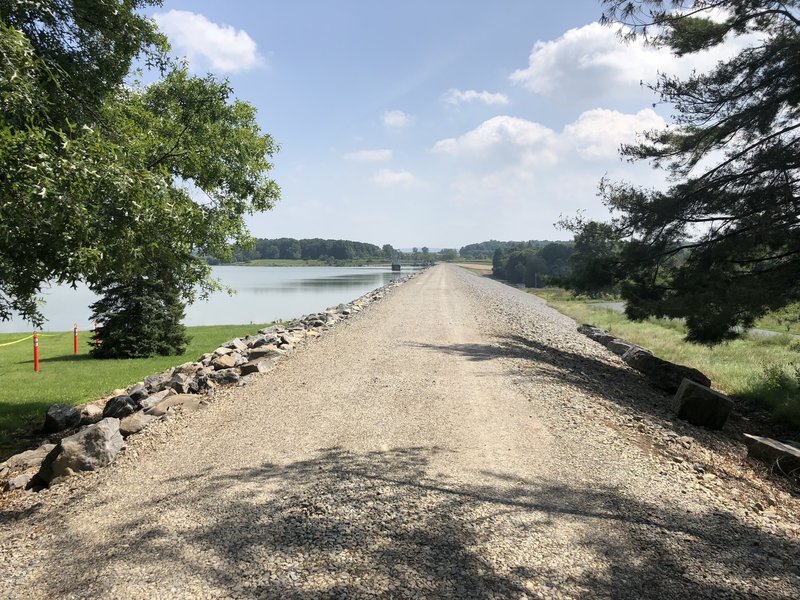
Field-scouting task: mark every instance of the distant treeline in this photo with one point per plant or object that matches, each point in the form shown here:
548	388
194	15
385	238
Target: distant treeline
534	266
311	249
486	250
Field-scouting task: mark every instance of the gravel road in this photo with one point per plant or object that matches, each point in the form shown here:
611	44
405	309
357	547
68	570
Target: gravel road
458	439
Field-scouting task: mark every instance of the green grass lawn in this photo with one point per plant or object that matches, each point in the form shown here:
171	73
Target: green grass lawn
765	371
68	379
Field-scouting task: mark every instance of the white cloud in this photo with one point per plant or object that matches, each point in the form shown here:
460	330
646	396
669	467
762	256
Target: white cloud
396	119
455	97
592	60
496	132
224	48
369	155
598	133
389	178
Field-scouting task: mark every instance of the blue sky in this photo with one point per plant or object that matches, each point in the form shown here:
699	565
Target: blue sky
436	123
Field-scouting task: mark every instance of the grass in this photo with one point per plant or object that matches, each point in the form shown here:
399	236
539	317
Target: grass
762	370
68	379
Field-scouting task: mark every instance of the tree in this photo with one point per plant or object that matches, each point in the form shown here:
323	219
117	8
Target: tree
111	183
721	246
139	318
595	260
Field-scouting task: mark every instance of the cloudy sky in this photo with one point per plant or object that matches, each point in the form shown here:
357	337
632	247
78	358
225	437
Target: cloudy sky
431	123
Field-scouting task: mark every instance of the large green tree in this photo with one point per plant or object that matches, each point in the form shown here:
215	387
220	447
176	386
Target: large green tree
111	181
721	245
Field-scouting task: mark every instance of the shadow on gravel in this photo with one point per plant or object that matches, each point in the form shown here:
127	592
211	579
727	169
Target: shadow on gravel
384	524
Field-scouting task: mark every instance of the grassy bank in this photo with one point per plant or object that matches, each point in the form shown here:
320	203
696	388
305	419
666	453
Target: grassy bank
68	379
764	371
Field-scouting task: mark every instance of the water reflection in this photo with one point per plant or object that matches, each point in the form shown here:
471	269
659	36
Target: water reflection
263	294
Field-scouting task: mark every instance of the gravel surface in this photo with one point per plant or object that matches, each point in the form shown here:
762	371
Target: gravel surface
458	439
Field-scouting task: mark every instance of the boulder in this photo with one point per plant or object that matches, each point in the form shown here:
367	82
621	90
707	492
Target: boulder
224	377
265	352
184	383
120	407
619	347
261	365
60	417
135	423
702	406
178	402
641	359
783	457
236	344
225	361
668	376
20	482
222	351
156	383
91	413
138	393
91	448
154	399
28	459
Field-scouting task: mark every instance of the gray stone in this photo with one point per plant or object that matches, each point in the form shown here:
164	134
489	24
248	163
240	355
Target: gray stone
91	413
226	361
265	352
156	383
138	393
184	383
702	406
28	459
619	347
120	407
236	344
91	448
135	423
668	376
222	351
261	365
224	376
641	359
154	399
60	417
178	402
20	482
783	457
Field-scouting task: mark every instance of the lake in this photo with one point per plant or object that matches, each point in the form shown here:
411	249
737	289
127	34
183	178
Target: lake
263	294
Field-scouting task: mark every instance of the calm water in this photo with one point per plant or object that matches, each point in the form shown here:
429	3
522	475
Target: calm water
263	294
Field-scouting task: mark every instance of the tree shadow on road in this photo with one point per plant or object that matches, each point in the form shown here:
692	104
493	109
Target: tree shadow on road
346	525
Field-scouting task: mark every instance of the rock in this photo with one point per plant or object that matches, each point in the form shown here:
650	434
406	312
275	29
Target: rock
28	459
91	448
154	399
20	482
179	402
120	407
641	359
236	344
184	383
265	352
135	423
189	368
60	417
156	383
226	361
619	347
261	365
224	377
222	351
783	457
668	376
700	405
91	413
